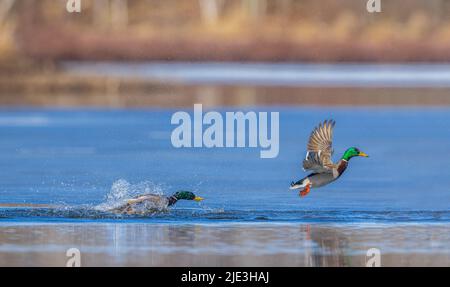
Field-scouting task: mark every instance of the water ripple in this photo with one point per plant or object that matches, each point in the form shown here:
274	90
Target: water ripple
221	215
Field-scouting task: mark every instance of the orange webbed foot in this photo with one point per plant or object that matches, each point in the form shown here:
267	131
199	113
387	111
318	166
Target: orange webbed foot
305	191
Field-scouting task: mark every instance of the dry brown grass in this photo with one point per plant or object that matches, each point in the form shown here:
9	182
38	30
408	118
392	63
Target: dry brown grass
7	43
305	30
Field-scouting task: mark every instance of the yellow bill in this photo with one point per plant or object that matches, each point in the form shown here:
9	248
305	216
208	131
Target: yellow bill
363	154
198	198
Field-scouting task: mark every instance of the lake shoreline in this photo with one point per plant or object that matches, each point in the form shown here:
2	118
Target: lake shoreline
49	84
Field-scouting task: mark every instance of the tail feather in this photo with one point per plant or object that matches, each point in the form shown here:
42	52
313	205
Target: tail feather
297	185
301	184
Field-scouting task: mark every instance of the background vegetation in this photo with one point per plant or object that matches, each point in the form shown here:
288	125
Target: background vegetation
237	30
37	35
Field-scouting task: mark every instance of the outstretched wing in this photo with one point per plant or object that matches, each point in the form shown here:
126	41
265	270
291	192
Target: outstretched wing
319	148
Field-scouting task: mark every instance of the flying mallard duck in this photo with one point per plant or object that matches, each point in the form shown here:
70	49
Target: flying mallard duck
147	202
318	159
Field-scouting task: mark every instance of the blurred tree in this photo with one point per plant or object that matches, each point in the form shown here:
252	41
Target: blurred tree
210	10
119	14
256	9
5	8
110	13
285	6
101	13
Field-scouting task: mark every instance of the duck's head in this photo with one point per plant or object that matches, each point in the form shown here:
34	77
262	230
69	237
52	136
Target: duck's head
187	195
352	152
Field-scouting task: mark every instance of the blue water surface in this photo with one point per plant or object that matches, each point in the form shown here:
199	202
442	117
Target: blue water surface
76	158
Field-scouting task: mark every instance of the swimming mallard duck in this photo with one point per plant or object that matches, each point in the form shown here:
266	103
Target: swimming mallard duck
151	202
318	159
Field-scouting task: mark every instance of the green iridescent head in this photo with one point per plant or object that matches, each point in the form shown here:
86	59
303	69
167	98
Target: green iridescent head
352	152
186	195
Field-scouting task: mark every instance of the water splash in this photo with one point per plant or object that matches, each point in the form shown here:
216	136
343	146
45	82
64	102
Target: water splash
121	191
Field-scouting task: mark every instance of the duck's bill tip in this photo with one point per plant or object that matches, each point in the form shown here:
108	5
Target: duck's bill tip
363	154
198	198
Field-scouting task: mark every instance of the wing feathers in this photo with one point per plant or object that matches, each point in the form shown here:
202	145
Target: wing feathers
319	148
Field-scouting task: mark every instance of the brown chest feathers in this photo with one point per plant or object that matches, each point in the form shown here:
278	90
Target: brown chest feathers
342	166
